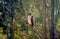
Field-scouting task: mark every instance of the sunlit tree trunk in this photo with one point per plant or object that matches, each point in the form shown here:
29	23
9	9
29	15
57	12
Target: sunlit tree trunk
44	19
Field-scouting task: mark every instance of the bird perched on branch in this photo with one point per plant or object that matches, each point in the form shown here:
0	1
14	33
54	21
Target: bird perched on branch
30	19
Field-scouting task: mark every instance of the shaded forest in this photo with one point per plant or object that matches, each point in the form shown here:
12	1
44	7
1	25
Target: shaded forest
13	19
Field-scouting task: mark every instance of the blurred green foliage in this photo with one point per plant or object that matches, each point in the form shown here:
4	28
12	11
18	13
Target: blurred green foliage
20	19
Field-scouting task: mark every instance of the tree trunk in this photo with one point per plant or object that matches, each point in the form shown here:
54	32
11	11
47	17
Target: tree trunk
44	19
12	16
52	34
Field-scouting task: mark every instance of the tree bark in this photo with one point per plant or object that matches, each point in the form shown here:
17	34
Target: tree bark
44	19
52	34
